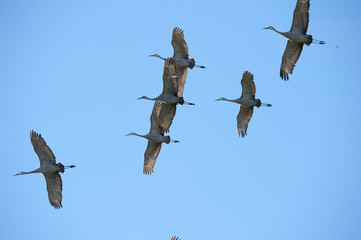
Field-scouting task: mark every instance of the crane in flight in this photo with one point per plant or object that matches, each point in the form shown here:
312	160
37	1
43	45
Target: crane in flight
181	57
247	102
296	38
49	168
170	86
155	139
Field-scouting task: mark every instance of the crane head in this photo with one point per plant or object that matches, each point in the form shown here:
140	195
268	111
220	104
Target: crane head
221	99
132	133
156	55
270	28
144	97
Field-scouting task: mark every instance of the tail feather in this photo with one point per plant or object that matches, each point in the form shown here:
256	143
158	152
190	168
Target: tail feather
193	63
310	40
61	166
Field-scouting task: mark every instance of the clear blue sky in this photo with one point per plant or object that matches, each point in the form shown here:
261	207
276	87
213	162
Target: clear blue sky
72	71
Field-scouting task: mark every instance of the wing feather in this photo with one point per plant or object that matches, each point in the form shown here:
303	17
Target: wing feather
248	86
243	118
179	44
182	75
290	56
154	118
166	116
301	16
43	151
150	156
170	79
54	186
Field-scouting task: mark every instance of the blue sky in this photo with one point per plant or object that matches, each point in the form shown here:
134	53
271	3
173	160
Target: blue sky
72	71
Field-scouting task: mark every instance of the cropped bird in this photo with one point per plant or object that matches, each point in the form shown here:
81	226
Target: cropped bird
181	57
155	139
175	238
247	102
296	38
49	168
170	86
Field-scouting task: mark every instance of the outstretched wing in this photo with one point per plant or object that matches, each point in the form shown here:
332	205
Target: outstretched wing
154	118
248	86
175	238
166	116
43	151
243	118
150	156
301	16
179	44
182	75
289	58
54	187
170	79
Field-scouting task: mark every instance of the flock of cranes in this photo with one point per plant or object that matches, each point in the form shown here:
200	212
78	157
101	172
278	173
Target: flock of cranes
174	78
164	109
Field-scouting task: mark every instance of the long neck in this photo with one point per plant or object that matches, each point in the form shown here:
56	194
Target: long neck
282	33
136	134
228	100
147	98
34	171
157	56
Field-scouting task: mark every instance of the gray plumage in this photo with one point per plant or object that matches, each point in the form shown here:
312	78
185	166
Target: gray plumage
296	38
181	57
247	102
155	139
170	87
49	168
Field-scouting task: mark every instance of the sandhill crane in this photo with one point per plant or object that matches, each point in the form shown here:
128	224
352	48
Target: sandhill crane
175	238
296	38
155	139
168	96
181	57
247	102
49	168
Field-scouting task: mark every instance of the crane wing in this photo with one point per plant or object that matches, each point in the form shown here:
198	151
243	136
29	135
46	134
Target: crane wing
154	118
289	58
166	116
301	16
243	118
179	44
54	186
170	80
248	86
43	151
175	238
182	75
150	156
